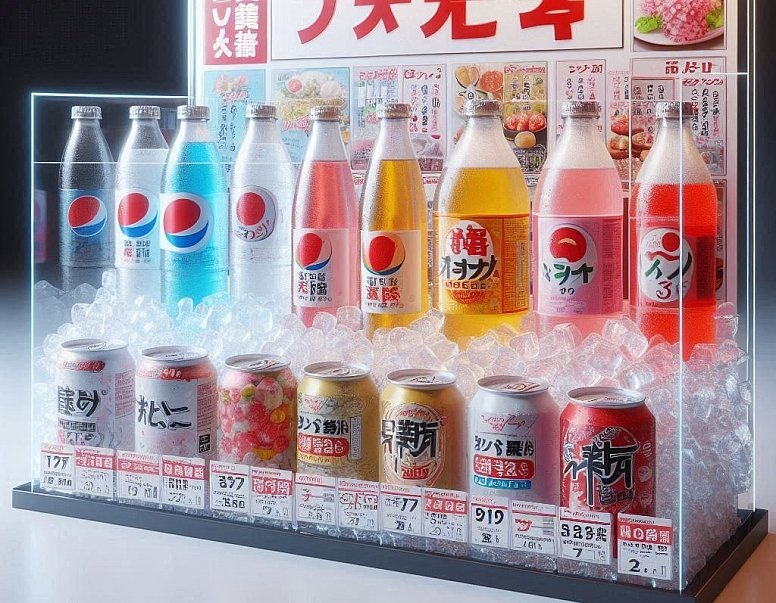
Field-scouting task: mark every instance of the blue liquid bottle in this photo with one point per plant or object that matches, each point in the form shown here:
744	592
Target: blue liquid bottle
194	213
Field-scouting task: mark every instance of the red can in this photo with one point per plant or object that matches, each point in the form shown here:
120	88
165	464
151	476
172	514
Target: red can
608	452
176	389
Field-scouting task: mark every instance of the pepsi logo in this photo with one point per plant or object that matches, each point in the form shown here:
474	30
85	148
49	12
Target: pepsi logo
87	216
136	215
313	251
255	215
187	223
383	254
568	243
569	257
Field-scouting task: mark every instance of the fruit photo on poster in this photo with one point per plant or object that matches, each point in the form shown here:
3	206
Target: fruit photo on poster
666	24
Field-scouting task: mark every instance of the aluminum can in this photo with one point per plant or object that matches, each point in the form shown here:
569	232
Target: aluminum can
176	402
257	412
608	452
338	405
95	394
513	440
423	430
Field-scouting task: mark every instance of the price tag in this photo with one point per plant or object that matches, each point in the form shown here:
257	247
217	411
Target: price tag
139	476
316	499
57	467
94	471
445	514
401	509
230	487
272	493
533	527
645	546
183	482
489	519
585	536
358	504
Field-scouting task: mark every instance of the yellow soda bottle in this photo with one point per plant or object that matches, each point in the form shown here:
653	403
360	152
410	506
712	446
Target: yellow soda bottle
481	221
394	228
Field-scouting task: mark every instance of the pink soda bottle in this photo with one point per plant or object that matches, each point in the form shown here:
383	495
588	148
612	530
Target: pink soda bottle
325	223
577	228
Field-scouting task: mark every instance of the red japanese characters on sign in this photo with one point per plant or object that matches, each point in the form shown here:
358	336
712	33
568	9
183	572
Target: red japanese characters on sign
307	28
235	32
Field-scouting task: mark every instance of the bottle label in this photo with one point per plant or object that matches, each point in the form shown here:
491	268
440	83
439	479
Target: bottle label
326	436
502	456
579	265
86	236
667	259
391	271
483	264
253	222
187	222
413	444
321	267
137	235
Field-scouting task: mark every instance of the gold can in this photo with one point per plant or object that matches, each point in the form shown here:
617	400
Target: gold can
338	421
423	430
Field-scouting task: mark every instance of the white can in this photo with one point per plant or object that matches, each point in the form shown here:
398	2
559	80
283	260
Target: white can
513	440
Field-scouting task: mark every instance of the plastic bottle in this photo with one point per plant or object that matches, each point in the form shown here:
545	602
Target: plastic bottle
195	213
86	181
325	223
577	228
673	230
260	201
394	228
138	181
481	250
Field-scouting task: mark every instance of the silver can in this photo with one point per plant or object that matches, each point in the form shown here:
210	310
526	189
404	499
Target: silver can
176	409
95	382
513	438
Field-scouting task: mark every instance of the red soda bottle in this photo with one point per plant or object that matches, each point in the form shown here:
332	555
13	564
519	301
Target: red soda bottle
325	223
673	230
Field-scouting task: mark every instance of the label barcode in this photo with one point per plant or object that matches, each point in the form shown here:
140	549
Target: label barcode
548	526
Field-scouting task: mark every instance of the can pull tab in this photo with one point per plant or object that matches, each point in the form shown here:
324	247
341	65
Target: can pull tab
95	347
173	356
342	371
261	365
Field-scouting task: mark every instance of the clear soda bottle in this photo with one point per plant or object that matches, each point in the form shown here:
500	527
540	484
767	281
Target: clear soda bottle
481	249
86	181
260	200
577	228
195	213
673	231
325	223
394	227
138	182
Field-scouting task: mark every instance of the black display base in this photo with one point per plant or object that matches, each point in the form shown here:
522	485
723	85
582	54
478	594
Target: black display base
707	585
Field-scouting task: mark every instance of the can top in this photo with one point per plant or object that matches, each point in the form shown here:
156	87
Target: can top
393	110
89	111
261	110
421	378
193	112
92	345
178	354
675	109
257	363
336	371
145	112
482	107
606	397
325	113
580	109
513	385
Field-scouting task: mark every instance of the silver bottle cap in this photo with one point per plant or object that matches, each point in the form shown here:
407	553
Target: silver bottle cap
675	109
193	112
325	113
580	109
87	111
482	107
393	111
144	112
261	110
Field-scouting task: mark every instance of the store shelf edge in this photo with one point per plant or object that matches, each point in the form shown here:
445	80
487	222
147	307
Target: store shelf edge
704	589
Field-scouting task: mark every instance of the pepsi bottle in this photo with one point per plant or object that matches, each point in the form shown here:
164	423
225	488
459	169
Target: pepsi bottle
138	181
260	201
195	213
86	181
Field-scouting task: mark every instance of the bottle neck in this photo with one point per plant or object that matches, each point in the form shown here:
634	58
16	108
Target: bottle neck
194	130
326	142
145	134
580	146
674	158
262	130
393	140
483	144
